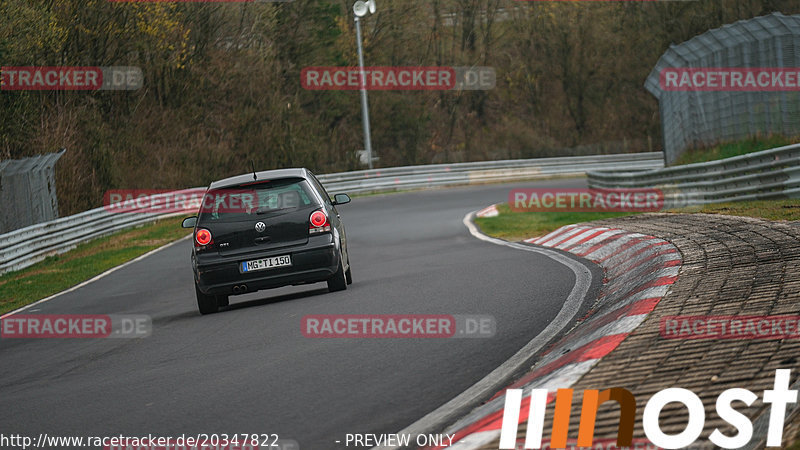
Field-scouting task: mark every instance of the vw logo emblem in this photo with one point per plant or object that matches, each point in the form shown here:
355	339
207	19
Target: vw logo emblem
260	227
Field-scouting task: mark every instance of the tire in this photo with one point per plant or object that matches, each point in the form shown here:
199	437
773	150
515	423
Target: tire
348	274
338	282
207	304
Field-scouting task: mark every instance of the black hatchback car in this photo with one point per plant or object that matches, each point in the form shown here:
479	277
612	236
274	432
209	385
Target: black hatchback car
265	230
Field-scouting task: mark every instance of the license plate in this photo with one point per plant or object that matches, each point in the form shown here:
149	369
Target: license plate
266	263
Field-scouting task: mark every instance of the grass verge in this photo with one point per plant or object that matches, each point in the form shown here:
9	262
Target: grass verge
737	148
60	272
515	226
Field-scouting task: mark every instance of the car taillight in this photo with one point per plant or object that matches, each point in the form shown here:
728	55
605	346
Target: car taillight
202	237
318	223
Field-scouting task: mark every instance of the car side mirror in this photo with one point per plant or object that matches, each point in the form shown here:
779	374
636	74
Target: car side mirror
341	199
189	222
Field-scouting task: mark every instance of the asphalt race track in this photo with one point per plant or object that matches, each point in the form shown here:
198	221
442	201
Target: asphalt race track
248	369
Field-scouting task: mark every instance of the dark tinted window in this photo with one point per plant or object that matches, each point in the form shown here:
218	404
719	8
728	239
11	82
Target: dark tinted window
237	203
322	192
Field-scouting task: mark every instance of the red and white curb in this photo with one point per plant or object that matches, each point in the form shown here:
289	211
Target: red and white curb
639	270
489	211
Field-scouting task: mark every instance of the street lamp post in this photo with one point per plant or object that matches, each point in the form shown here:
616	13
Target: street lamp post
360	8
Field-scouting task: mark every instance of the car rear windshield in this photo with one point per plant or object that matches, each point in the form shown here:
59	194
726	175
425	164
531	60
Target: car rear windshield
251	201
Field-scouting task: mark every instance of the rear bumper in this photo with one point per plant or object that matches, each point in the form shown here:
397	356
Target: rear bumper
315	261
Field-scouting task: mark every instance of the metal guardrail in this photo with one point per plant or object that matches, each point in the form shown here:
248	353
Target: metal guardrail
442	175
26	246
768	174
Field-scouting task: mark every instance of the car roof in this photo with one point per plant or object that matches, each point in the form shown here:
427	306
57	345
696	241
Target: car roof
266	175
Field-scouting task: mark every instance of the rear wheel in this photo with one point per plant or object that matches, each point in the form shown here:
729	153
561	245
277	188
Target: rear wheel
338	282
207	304
348	274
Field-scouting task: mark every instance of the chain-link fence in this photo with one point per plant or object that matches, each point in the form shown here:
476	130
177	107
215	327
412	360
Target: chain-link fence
28	191
702	115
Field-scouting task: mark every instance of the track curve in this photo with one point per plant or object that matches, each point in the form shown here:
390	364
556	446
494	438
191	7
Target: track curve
250	370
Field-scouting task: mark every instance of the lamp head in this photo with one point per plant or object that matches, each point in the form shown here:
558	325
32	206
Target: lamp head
360	8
